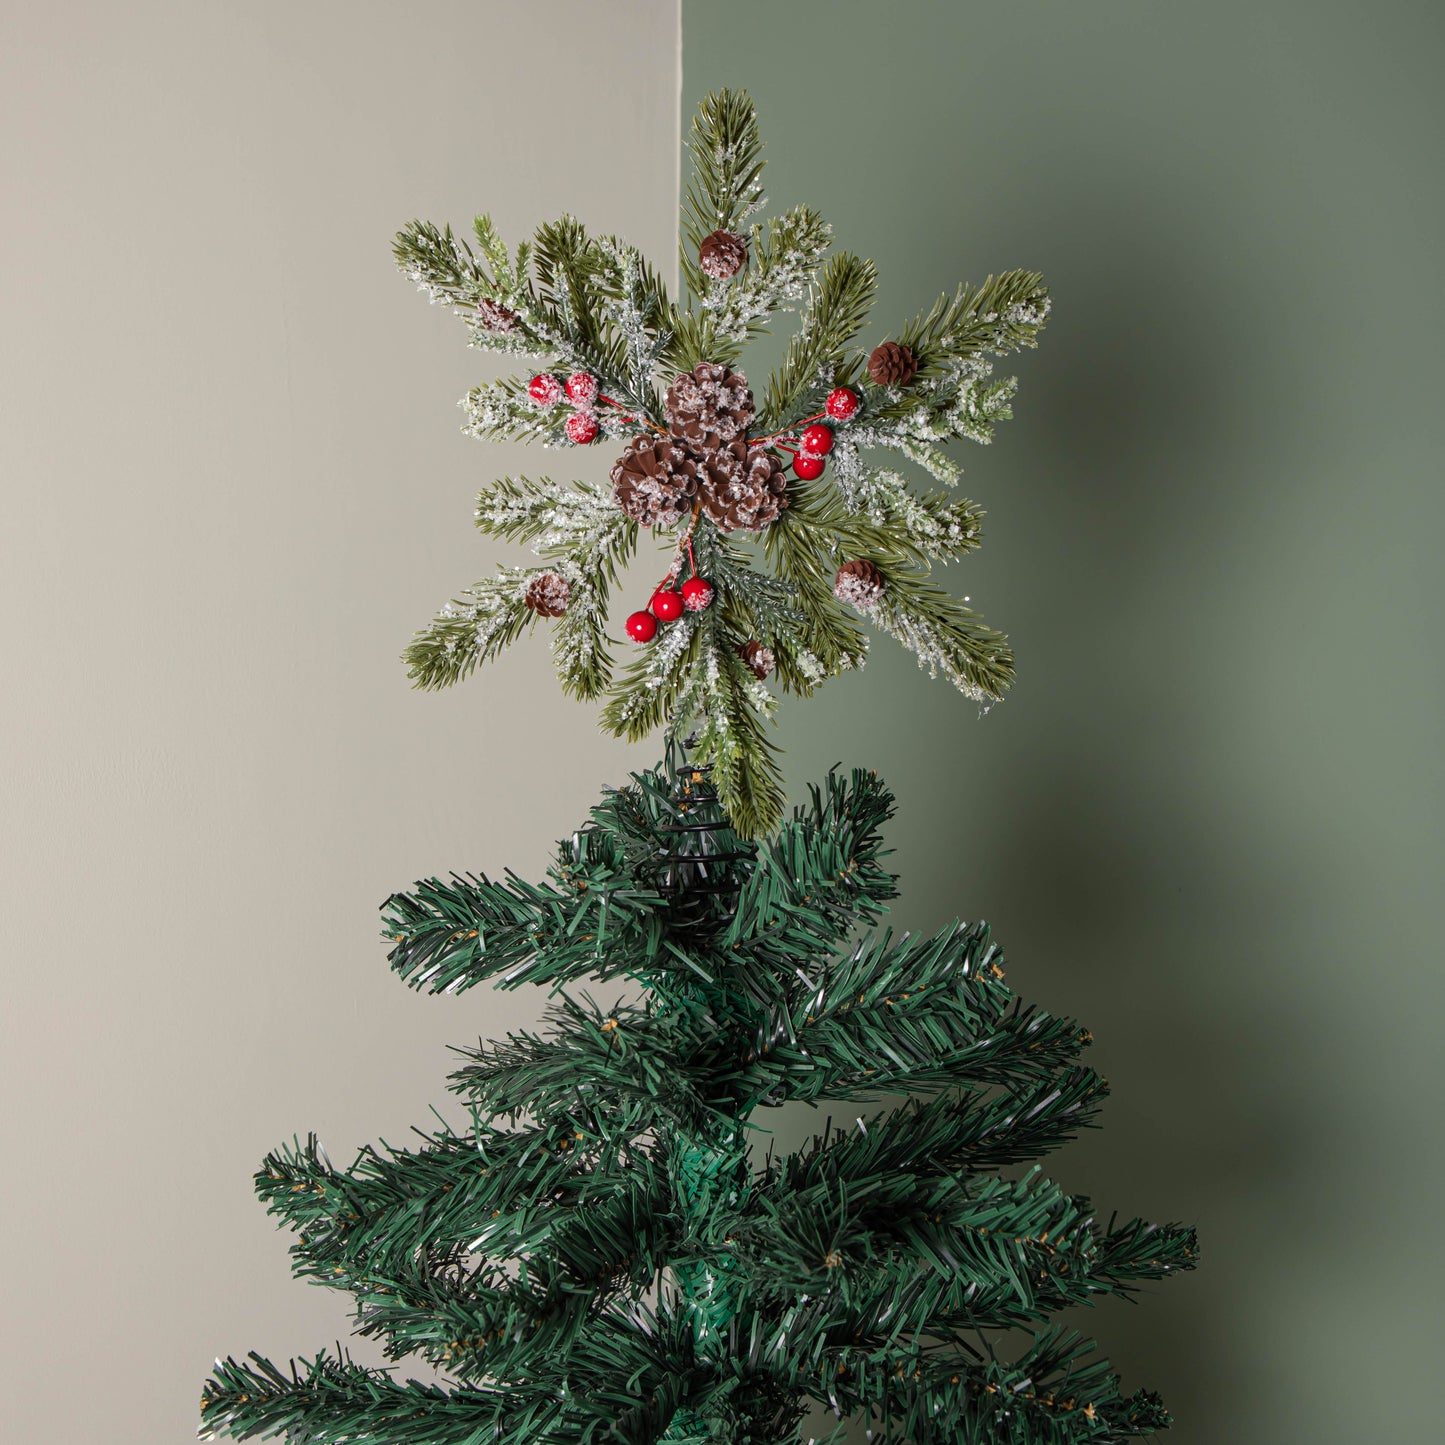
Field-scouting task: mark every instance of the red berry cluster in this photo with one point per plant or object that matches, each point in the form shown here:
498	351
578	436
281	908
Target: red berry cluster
816	441
580	389
668	605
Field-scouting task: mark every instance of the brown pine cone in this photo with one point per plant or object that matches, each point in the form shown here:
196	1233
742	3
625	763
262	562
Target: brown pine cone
758	657
722	255
742	487
655	481
709	406
892	364
548	594
860	584
495	316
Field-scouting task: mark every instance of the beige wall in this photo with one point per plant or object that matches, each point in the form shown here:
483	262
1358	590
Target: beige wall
234	482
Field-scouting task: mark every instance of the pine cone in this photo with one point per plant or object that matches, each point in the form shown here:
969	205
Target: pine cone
722	255
892	364
548	594
742	487
860	584
758	657
495	316
709	406
655	480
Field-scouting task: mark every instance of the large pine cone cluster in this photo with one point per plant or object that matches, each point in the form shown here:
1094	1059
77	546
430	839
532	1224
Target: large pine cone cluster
709	406
705	461
745	488
655	481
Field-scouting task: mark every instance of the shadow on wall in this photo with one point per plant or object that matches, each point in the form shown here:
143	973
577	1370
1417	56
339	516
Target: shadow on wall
1148	870
1134	872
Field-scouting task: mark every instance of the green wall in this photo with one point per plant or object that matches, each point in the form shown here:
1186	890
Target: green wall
1207	821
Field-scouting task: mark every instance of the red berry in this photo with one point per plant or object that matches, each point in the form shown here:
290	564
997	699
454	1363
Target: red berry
842	404
808	467
582	388
642	627
666	604
582	427
545	389
696	594
818	439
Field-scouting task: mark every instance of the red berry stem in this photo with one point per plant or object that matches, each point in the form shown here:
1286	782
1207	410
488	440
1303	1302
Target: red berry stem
632	415
787	431
684	544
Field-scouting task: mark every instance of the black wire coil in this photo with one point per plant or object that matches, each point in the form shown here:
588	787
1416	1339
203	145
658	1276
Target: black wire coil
704	860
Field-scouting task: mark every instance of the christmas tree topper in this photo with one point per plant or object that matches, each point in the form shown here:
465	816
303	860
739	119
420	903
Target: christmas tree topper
781	533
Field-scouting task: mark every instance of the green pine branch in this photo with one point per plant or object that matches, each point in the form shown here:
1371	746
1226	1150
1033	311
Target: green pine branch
1004	314
917	1014
647	695
945	636
565	265
783	256
725	184
625	1056
330	1399
923	529
953	1133
502	411
556	1188
449	937
472	629
819	1236
727	710
817	878
757	606
837	311
799	545
449	273
1058	1393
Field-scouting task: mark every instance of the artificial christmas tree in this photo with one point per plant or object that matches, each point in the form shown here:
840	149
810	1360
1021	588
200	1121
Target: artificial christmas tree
602	1253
